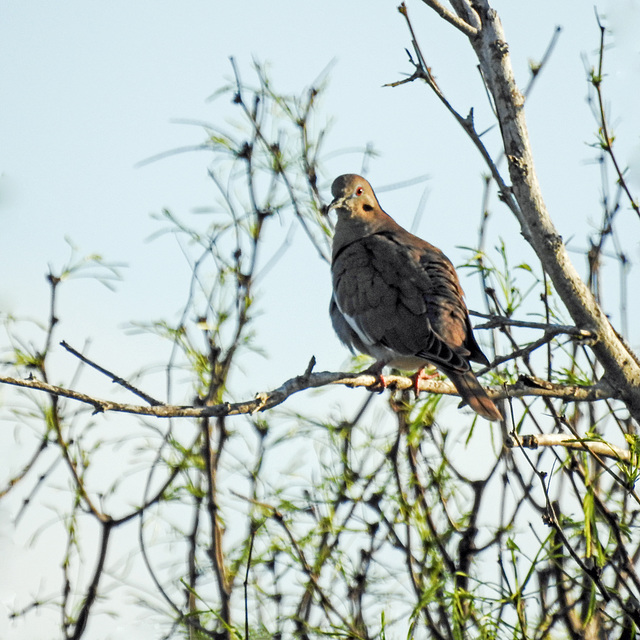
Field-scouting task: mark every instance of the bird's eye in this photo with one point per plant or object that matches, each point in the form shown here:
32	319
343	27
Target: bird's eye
359	191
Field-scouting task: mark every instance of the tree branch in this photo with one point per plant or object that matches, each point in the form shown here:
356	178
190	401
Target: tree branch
92	591
451	18
621	365
533	441
525	386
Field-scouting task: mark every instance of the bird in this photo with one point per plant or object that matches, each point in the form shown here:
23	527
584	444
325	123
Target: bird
398	298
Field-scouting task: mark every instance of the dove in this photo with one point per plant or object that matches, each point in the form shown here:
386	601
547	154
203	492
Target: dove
397	298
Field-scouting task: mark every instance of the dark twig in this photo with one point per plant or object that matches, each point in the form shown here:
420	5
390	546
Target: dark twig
606	140
246	586
13	481
114	378
451	18
92	591
555	329
423	72
537	68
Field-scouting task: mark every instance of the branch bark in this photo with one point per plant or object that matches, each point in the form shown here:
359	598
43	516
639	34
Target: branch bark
525	386
621	365
599	447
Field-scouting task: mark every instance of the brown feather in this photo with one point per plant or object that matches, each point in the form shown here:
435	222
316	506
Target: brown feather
474	395
398	298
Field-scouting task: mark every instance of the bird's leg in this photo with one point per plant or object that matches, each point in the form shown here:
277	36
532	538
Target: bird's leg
376	370
421	375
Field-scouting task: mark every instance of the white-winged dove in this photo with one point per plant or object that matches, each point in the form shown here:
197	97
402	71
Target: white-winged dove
397	298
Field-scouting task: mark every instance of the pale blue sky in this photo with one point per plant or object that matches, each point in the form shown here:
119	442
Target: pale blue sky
91	89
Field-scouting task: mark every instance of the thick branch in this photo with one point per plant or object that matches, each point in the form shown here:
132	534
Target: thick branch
620	363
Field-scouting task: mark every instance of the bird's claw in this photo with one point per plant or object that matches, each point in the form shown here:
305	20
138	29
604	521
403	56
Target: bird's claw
376	370
421	375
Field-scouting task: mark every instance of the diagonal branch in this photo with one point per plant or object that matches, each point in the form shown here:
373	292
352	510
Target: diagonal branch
621	365
116	379
450	17
606	137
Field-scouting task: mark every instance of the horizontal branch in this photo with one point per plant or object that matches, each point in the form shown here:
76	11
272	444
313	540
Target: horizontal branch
525	386
598	447
494	321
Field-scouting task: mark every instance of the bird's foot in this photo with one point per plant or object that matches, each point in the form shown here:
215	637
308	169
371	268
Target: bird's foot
420	375
376	370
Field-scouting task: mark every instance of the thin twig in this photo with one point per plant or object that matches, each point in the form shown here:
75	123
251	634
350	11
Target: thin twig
556	329
92	591
537	68
606	139
246	586
114	378
423	72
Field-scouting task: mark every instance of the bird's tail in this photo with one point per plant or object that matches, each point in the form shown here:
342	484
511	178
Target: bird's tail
474	395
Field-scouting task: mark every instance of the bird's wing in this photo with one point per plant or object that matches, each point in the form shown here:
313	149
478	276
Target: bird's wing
400	296
347	334
447	310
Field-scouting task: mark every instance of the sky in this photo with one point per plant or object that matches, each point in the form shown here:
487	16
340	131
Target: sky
90	90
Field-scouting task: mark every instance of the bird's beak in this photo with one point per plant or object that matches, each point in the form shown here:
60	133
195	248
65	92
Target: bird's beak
337	203
333	205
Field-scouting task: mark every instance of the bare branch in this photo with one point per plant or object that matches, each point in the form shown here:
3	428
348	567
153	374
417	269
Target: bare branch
555	329
606	138
526	386
621	365
423	72
533	441
114	378
445	14
92	591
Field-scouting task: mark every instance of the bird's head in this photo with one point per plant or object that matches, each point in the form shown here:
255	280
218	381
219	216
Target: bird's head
359	213
353	197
